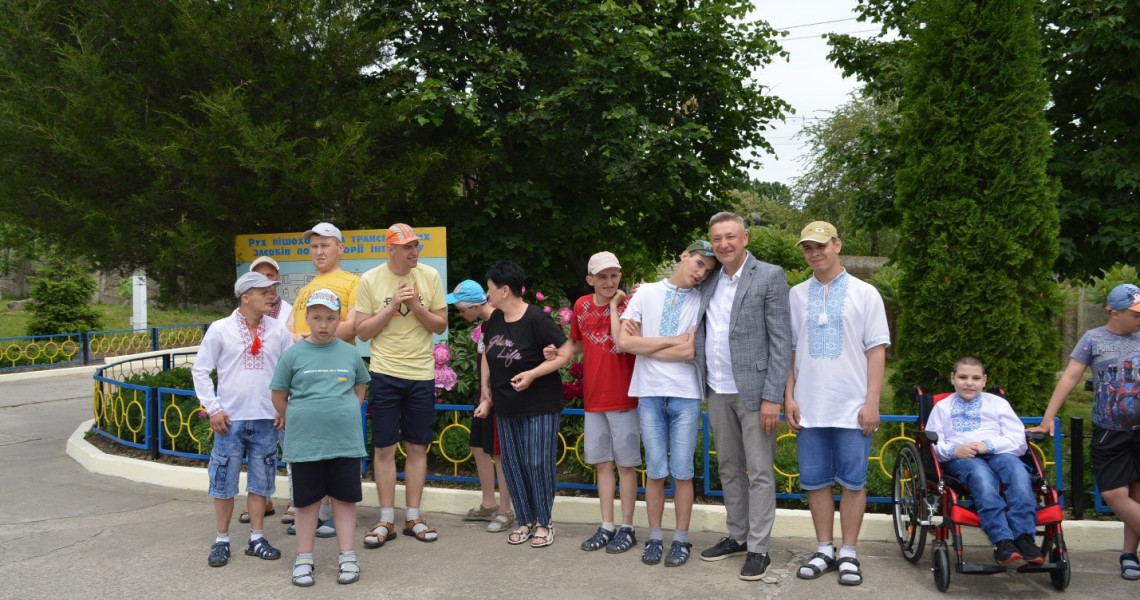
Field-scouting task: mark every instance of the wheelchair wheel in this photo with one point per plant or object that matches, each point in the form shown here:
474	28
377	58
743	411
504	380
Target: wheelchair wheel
940	565
1060	557
907	495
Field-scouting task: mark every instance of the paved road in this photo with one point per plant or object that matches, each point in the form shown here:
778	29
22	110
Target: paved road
66	533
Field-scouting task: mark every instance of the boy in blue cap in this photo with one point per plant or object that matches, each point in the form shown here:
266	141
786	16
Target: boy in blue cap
1113	354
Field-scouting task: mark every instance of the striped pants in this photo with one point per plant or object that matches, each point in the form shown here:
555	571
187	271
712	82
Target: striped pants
530	451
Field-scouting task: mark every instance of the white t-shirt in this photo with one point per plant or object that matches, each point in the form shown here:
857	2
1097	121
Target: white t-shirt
663	310
833	326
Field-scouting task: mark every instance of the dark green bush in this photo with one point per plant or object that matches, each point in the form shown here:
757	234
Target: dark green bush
60	298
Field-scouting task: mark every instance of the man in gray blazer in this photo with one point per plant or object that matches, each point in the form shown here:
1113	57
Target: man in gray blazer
743	348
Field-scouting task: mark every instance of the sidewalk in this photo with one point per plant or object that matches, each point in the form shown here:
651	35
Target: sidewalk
71	533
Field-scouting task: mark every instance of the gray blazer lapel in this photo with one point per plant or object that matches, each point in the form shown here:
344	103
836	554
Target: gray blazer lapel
747	273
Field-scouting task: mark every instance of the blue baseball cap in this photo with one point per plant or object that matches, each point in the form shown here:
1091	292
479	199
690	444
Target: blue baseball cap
1124	297
467	291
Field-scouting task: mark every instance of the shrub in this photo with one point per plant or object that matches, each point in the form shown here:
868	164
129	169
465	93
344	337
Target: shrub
1116	275
776	246
60	298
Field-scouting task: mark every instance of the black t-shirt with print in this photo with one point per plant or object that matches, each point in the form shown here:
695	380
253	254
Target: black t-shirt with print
512	348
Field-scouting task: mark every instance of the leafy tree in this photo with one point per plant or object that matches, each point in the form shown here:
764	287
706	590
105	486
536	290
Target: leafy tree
603	125
60	298
1091	48
147	133
850	180
1092	53
979	217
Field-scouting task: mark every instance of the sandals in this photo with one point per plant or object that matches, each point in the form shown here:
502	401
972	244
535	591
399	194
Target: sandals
289	517
303	573
261	549
269	512
521	535
377	539
816	572
849	577
349	571
1129	571
599	540
501	521
482	513
542	541
421	535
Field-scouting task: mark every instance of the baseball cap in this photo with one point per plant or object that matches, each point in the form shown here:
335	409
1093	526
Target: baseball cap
1124	297
324	297
251	280
325	229
400	234
818	231
701	247
264	260
467	291
602	261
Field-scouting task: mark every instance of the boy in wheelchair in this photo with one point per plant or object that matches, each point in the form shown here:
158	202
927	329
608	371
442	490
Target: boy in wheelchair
980	443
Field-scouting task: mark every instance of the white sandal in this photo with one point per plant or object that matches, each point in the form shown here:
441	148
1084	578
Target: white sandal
303	573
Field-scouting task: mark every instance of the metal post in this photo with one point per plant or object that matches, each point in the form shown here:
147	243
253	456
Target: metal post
1077	465
85	350
152	419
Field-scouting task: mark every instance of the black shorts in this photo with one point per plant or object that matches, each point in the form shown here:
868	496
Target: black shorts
337	478
483	434
1115	457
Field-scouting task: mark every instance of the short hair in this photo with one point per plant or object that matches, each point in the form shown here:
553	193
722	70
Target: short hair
507	273
466	305
723	216
969	360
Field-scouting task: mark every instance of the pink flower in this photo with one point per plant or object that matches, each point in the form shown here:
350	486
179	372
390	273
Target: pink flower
564	315
445	378
477	333
524	290
547	309
441	353
203	414
539	296
577	369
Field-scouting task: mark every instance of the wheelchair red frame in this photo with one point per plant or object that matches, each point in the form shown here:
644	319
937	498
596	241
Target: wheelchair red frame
921	493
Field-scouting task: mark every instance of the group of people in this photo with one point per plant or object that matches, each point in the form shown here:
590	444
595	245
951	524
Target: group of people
724	328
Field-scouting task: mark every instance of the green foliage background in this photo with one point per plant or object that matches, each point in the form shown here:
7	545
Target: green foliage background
61	298
979	213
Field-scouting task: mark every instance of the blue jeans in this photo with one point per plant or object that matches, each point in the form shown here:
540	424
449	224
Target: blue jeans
669	434
258	440
830	455
988	475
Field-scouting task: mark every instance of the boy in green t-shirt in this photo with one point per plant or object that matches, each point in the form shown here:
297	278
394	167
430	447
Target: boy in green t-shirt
318	388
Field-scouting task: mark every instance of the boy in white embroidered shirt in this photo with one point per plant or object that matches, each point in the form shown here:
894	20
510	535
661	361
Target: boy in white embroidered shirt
980	443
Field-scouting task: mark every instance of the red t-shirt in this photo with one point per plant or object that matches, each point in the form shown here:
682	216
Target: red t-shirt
607	372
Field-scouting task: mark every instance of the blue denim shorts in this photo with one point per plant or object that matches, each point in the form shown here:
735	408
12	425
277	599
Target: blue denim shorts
833	455
669	435
256	439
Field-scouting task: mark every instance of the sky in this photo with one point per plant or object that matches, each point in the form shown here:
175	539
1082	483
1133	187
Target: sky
807	81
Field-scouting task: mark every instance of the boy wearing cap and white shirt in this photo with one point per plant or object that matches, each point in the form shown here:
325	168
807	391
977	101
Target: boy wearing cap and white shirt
244	348
658	326
326	244
471	302
839	344
318	388
282	310
612	433
1113	354
399	305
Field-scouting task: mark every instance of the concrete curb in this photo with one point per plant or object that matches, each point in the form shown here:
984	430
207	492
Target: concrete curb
1080	535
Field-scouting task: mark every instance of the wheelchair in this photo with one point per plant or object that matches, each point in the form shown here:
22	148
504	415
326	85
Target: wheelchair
927	501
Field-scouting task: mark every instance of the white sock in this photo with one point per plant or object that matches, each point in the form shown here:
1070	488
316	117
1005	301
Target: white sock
412	513
325	511
255	534
388	514
827	548
608	526
223	537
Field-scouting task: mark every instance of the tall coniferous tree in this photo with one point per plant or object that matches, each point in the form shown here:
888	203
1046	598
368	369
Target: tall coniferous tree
979	214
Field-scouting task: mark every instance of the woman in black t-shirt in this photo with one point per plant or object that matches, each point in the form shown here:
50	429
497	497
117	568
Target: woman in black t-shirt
527	395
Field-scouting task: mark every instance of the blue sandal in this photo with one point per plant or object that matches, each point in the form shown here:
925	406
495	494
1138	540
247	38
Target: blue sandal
262	550
599	540
1130	571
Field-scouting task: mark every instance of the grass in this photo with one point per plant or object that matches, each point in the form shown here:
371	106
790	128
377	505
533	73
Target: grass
14	323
